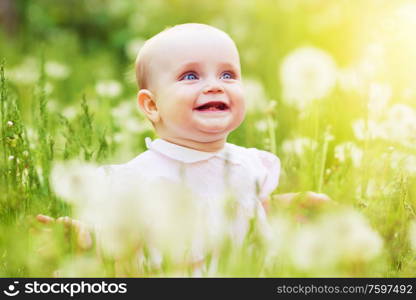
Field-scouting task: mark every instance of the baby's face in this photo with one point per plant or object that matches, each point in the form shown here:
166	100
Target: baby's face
196	80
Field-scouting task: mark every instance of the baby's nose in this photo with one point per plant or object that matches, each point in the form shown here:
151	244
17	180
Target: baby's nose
213	87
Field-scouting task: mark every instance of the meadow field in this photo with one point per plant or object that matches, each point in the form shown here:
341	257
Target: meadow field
330	89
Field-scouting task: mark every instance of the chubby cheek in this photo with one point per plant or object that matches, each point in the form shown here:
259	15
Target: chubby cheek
240	114
175	113
239	106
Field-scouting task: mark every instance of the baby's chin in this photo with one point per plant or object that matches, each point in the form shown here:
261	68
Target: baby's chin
214	128
213	124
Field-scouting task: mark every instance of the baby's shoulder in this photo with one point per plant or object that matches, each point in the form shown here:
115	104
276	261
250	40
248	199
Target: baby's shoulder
264	165
255	157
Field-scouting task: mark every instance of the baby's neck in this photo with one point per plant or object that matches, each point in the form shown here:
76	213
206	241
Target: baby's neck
214	146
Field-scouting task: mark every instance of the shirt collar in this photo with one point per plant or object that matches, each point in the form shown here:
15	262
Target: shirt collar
188	155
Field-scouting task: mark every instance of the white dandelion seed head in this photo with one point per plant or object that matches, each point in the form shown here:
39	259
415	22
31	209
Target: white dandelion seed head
372	189
307	74
109	88
123	110
368	129
403	161
335	237
311	249
255	95
27	72
352	236
299	146
69	112
402	113
164	215
276	241
379	96
77	183
56	70
400	124
133	47
261	125
349	151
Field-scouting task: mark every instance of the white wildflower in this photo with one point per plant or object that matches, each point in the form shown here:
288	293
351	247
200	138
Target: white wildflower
261	125
56	70
133	47
256	99
402	113
368	129
10	123
135	125
11	157
355	239
403	161
372	189
349	151
307	74
129	212
25	73
400	124
108	88
299	146
276	241
337	237
70	112
379	96
52	105
76	182
126	114
311	249
167	218
123	110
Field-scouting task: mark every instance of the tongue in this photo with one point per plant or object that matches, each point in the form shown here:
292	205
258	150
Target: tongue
212	107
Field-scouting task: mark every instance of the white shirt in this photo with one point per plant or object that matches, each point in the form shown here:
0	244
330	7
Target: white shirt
249	174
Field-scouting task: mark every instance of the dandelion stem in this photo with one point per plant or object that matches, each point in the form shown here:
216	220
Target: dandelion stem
327	138
272	134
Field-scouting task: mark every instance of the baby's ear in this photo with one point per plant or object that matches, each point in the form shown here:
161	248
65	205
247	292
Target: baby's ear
147	105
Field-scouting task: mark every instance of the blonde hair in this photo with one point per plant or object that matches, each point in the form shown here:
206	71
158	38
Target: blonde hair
142	61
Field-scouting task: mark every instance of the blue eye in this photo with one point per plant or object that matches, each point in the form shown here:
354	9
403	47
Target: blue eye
189	76
227	75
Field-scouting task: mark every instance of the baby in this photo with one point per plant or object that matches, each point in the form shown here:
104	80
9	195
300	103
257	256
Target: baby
191	90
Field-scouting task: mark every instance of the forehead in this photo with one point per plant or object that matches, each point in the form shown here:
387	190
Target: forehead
176	47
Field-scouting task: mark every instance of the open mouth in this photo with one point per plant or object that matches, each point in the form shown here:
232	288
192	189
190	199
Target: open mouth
213	106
